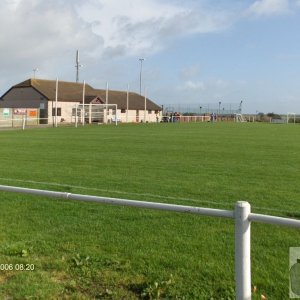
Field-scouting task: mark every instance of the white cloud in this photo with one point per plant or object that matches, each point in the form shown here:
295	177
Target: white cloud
40	31
144	26
201	91
218	85
190	71
194	85
46	34
269	7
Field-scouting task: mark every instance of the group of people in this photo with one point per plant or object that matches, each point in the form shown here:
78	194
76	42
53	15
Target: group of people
213	117
171	117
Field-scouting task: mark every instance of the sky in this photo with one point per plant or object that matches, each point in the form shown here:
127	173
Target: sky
195	51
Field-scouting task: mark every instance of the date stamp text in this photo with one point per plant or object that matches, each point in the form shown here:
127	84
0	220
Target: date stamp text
17	267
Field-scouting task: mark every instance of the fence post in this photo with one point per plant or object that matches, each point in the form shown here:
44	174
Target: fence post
23	122
242	251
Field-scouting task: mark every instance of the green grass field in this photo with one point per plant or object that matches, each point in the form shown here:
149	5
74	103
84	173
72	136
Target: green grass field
92	251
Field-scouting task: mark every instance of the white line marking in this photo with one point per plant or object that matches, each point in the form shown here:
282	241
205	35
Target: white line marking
140	194
111	191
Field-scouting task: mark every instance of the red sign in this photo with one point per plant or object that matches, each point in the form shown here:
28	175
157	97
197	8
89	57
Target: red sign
20	111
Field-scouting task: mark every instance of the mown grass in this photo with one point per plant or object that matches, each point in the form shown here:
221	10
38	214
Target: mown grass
87	250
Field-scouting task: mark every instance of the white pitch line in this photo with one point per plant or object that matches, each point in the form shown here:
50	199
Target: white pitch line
112	191
138	194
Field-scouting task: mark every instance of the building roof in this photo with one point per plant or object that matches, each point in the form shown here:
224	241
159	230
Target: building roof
72	92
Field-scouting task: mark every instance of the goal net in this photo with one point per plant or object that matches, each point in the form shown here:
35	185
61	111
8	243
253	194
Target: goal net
95	114
291	117
240	118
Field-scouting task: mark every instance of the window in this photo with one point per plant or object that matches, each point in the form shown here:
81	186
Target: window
123	110
149	111
58	111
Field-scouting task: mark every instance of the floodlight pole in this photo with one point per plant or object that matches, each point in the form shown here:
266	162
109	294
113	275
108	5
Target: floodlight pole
145	107
77	66
106	102
76	111
83	102
34	71
141	60
127	103
241	106
56	96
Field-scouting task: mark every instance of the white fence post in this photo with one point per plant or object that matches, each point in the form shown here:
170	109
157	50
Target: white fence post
23	122
242	251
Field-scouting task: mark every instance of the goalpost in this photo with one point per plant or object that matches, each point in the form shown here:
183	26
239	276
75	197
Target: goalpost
239	118
290	115
95	114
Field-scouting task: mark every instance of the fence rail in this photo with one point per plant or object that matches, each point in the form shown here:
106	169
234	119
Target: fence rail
22	122
241	214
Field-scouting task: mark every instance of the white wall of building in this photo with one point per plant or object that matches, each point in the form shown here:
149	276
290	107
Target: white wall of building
66	114
66	109
137	116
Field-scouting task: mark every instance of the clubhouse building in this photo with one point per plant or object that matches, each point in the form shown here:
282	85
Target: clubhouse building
44	99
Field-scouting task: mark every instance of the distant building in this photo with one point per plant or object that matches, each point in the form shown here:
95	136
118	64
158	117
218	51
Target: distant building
37	97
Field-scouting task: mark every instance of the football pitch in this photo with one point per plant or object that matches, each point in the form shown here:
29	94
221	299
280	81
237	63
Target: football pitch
62	249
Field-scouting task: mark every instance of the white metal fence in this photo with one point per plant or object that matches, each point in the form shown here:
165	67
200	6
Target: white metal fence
19	122
241	214
24	122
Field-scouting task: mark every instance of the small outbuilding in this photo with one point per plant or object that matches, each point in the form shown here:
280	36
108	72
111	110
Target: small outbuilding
45	99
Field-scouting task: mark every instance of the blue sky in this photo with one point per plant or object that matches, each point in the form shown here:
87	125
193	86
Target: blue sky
196	52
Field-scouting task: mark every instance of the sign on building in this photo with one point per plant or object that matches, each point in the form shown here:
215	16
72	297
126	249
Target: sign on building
5	112
20	111
32	113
